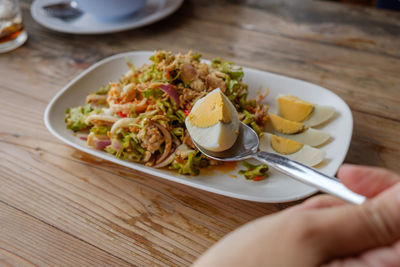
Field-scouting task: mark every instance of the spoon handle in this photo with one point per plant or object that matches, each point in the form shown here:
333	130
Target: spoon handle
309	176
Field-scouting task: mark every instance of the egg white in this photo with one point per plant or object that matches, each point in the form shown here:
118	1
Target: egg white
218	137
310	136
319	115
307	155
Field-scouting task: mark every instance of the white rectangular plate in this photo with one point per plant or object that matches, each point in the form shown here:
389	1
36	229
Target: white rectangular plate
277	188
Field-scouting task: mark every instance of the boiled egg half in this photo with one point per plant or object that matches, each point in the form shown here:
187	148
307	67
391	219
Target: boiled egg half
297	110
291	149
213	122
296	131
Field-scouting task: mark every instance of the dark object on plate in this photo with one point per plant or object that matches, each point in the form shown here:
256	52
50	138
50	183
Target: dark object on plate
63	10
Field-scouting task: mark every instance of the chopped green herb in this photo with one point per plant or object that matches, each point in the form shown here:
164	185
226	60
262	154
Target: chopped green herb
254	172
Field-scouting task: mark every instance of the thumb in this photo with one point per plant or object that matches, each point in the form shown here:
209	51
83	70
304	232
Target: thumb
349	229
366	180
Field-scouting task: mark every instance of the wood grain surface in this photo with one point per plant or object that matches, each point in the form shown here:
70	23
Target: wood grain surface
59	206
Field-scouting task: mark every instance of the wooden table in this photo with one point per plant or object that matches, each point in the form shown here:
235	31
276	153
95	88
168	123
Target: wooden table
59	206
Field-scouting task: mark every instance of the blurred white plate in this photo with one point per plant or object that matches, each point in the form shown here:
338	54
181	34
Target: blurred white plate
153	11
277	188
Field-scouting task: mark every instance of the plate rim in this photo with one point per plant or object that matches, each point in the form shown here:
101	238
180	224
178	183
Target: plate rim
154	172
155	17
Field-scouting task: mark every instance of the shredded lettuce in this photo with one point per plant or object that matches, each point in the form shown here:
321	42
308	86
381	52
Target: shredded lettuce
196	56
155	93
100	129
103	90
191	165
130	148
158	57
75	117
165	106
250	120
235	73
178	131
173	118
151	74
232	89
246	104
254	172
181	115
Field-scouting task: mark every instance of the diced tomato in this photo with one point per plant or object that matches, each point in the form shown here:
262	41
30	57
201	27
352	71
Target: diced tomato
123	115
187	111
167	75
258	178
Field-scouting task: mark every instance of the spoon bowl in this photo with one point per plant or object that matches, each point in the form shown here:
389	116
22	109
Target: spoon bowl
247	146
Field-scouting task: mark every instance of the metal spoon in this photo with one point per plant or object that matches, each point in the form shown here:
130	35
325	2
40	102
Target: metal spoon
246	146
64	10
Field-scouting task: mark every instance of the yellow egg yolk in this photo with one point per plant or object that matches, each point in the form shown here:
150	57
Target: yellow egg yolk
293	108
285	126
213	109
284	146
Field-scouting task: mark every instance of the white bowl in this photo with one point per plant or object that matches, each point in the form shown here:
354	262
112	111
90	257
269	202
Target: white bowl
110	9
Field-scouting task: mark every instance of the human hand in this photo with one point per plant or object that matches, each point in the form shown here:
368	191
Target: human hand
323	229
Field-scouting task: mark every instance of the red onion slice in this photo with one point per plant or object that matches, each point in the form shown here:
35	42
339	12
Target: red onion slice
83	137
98	142
171	92
102	143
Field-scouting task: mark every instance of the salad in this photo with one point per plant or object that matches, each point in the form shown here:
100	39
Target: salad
141	117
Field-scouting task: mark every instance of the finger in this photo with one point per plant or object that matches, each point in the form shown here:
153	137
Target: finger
349	229
386	256
319	202
367	181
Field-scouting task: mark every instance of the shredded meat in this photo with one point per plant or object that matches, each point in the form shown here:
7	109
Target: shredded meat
188	95
188	73
202	71
198	85
168	142
219	74
260	97
213	82
261	114
150	138
188	140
